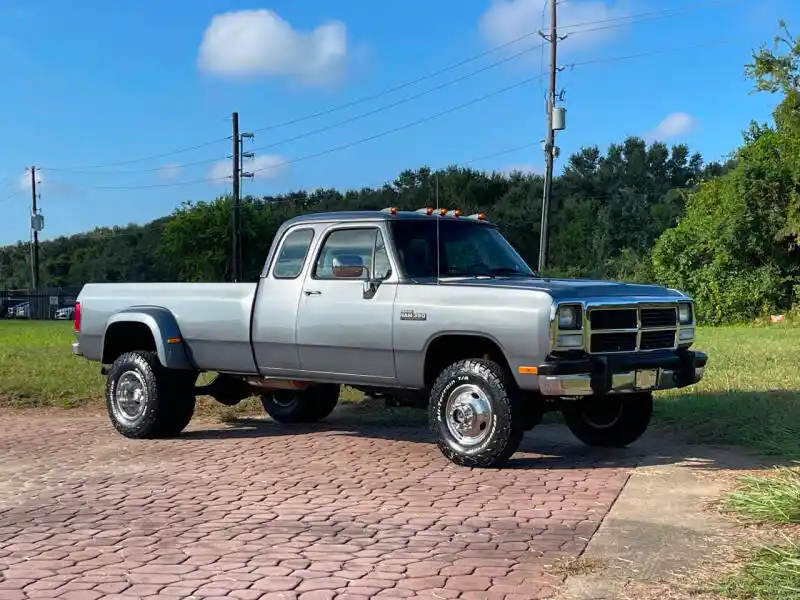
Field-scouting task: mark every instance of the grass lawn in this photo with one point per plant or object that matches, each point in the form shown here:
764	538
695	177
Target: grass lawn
38	370
749	396
771	573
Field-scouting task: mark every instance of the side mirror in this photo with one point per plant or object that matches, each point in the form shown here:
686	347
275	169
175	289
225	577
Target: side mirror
371	285
348	266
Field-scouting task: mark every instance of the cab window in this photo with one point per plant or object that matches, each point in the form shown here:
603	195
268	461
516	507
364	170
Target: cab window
292	255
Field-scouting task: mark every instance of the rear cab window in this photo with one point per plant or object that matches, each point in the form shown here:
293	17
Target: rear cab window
293	254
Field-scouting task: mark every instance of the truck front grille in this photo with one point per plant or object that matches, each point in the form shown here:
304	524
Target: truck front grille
631	328
659	317
613	342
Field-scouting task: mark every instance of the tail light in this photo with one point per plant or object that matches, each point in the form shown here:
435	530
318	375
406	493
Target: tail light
77	317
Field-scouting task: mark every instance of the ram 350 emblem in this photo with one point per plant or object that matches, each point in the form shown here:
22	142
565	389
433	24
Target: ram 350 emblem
409	314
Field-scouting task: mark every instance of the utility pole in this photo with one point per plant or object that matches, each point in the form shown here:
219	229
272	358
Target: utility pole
35	227
236	254
555	120
243	175
236	212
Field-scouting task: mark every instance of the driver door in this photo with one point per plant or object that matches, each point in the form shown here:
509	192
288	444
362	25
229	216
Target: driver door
345	319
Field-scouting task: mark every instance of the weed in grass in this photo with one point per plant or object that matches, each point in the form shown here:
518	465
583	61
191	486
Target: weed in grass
772	574
771	499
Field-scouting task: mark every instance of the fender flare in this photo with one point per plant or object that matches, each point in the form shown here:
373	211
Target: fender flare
170	346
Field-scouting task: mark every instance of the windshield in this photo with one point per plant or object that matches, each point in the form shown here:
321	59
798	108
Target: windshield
466	249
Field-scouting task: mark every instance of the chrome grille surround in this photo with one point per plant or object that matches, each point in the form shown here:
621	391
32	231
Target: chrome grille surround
645	326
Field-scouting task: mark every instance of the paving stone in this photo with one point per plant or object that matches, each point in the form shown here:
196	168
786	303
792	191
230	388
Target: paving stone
269	512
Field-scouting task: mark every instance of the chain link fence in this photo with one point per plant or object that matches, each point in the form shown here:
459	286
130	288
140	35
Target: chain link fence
43	304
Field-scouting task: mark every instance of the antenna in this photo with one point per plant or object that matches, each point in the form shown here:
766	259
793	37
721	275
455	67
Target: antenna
438	217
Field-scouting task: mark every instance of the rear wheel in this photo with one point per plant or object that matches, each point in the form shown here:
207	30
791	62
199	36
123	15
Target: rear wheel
476	421
615	420
307	406
146	400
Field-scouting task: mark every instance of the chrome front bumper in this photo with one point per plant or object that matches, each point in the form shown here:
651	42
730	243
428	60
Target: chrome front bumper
621	375
76	349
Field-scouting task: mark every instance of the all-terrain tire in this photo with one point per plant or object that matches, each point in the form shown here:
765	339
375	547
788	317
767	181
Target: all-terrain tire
307	406
614	421
485	381
164	400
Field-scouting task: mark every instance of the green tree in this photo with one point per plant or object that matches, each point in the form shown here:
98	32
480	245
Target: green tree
736	248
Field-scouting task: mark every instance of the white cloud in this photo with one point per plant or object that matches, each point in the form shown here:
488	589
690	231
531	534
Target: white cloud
170	171
506	20
266	167
673	125
24	181
260	42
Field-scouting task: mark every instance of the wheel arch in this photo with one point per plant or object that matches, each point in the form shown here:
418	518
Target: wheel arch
149	328
447	347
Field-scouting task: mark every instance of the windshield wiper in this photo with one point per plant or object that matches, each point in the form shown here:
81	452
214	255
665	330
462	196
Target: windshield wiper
510	271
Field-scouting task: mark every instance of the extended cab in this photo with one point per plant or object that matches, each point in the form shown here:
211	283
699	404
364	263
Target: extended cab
430	307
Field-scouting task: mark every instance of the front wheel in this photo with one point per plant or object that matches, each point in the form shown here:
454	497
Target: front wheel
476	421
307	406
615	420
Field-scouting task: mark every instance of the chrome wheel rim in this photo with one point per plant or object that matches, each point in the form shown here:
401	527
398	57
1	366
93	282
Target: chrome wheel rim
129	400
469	415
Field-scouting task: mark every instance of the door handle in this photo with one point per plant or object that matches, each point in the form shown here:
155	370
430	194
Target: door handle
313	293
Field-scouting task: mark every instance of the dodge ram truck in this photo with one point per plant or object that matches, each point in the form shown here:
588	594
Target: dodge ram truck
431	308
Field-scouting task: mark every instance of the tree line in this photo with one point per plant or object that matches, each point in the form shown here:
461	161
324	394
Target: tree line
725	232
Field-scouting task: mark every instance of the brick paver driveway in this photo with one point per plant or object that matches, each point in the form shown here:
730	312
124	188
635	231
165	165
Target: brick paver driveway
266	511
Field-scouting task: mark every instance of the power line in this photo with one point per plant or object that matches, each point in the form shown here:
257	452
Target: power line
375	186
351	119
4	183
415	122
142	159
387	106
11	196
645	16
616	21
347	145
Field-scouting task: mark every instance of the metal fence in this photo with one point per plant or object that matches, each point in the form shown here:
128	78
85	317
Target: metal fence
55	304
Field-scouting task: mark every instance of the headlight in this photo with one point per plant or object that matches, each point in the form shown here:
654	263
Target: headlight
569	317
685	314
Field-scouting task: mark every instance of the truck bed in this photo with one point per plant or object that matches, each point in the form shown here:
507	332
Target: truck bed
214	318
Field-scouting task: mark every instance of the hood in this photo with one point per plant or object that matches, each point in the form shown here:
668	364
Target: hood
574	289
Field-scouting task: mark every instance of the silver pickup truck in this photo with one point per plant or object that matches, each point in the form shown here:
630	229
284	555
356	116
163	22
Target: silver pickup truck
431	308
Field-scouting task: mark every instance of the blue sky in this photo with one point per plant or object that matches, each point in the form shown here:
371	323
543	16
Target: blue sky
98	82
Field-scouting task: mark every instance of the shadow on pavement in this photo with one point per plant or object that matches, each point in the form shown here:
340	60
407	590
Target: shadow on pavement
548	446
